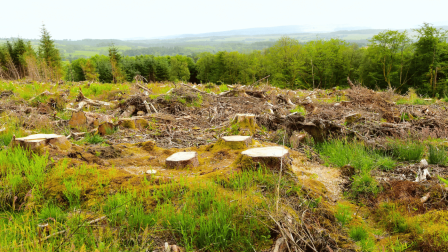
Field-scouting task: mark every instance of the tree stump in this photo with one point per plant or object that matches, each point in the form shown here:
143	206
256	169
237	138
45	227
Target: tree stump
182	160
246	122
38	141
236	142
271	157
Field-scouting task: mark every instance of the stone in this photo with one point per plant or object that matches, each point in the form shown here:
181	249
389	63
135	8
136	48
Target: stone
236	142
272	157
182	160
38	141
140	113
151	172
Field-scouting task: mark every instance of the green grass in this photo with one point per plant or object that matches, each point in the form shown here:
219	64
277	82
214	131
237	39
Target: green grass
358	233
407	150
363	159
343	214
364	184
436	155
299	109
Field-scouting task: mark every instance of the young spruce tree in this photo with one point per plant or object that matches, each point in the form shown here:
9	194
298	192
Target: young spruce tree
49	55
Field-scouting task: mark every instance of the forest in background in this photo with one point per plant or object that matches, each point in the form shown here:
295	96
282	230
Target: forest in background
391	59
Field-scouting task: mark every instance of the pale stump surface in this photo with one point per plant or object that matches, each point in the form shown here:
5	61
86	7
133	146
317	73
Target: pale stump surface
182	160
272	157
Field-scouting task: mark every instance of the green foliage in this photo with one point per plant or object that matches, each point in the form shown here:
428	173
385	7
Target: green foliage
93	138
52	213
407	150
364	184
299	109
437	155
343	214
340	153
358	233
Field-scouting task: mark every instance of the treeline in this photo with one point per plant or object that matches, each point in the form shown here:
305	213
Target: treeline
392	59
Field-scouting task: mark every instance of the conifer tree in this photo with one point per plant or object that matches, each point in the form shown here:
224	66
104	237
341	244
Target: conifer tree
115	58
49	54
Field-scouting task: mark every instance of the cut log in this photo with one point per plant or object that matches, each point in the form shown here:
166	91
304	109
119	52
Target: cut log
78	120
84	101
38	141
182	160
129	111
236	142
82	119
271	157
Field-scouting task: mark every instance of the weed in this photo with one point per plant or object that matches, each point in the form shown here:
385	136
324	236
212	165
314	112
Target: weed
52	212
343	214
93	139
340	153
299	109
138	219
364	184
72	192
437	155
407	150
358	233
398	246
223	88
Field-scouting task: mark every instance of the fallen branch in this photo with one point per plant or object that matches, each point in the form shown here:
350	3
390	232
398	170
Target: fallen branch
84	101
41	94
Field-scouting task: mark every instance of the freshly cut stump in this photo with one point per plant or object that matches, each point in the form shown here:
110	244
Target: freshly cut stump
272	157
38	141
182	160
236	142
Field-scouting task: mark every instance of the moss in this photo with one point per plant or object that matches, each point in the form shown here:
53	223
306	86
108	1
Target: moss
221	144
147	146
130	124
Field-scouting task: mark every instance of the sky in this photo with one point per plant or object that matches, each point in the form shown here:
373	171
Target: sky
118	19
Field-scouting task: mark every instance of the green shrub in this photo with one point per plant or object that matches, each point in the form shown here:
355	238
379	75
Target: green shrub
94	139
343	214
358	233
299	109
364	184
436	155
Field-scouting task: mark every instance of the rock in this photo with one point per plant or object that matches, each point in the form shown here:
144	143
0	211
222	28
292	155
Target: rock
151	172
38	141
182	160
271	157
236	142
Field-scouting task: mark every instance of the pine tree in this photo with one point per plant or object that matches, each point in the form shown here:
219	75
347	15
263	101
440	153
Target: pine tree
115	58
49	54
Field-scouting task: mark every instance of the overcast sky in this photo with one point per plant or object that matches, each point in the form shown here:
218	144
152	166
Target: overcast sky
104	19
